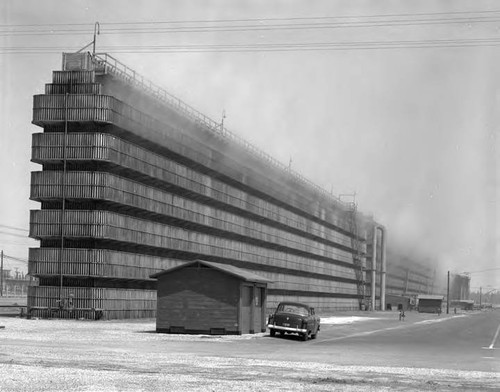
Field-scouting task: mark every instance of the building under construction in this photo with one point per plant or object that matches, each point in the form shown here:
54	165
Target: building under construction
135	181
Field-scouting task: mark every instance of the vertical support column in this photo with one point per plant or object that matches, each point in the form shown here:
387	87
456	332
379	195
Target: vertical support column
263	308
252	309
374	267
383	267
407	278
240	310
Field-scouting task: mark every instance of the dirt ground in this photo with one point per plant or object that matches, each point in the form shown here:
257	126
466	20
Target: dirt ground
71	355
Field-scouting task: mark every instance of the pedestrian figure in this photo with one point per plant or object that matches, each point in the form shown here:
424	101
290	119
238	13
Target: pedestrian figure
439	311
402	315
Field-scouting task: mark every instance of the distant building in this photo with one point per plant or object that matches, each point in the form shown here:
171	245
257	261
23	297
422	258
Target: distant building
14	284
460	287
409	276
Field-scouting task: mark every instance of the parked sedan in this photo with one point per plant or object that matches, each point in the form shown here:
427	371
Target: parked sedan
294	317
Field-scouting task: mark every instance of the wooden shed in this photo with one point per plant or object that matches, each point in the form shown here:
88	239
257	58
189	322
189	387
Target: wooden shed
202	297
430	303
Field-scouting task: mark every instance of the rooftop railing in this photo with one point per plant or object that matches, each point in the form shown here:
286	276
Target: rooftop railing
108	64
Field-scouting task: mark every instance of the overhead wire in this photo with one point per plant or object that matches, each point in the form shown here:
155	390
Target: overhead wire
319	23
485	270
220	25
13	234
13	228
268	47
340	17
250	28
8	257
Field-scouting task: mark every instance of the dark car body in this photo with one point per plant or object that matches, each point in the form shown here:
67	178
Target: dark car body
294	317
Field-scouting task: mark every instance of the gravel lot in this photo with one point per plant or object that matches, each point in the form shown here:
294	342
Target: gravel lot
62	355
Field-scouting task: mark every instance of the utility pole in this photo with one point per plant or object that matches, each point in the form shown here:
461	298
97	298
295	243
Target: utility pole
448	295
1	274
480	296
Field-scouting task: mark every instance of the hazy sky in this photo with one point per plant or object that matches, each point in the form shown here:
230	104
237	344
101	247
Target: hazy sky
412	129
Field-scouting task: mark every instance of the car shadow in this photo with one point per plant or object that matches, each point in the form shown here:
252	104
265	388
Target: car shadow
287	336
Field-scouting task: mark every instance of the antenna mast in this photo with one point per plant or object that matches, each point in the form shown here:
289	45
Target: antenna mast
97	28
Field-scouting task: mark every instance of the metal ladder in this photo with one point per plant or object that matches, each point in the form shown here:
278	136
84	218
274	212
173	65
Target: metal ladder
357	256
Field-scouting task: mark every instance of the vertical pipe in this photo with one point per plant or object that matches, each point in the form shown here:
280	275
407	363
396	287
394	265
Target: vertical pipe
383	268
263	309
374	267
1	274
448	294
406	280
63	194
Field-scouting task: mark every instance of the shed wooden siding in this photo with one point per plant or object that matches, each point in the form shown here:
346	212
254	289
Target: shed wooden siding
198	299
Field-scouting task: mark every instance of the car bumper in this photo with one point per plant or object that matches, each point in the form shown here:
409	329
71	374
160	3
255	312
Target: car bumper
287	329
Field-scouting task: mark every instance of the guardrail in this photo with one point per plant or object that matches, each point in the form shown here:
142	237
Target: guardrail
106	63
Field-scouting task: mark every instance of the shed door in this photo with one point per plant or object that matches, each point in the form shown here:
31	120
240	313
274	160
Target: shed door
246	308
259	312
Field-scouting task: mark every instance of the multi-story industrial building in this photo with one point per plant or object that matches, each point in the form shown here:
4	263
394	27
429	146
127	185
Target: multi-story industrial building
409	276
135	181
460	287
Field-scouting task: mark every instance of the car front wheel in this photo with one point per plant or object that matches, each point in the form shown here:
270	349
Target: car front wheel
272	332
304	336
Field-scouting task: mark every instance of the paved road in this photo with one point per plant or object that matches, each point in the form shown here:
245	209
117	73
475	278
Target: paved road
460	342
425	352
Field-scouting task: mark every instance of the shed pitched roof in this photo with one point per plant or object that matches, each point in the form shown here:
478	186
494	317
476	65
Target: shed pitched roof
228	269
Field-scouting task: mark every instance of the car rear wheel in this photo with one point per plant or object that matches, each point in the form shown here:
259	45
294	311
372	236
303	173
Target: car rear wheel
272	332
313	335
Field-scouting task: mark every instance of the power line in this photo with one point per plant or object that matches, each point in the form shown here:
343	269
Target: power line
485	270
338	17
268	47
13	234
14	228
248	28
15	258
18	244
319	23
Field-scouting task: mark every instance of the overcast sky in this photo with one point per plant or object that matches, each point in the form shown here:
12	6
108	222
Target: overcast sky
411	129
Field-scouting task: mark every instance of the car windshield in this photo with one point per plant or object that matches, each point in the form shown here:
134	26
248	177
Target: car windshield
295	309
